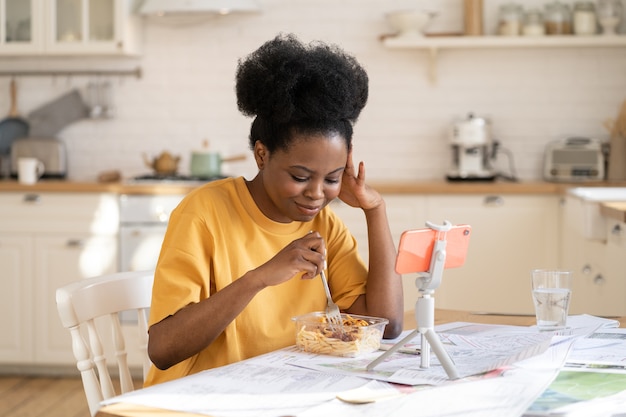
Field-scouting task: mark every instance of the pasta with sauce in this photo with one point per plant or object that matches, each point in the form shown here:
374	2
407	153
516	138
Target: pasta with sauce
359	336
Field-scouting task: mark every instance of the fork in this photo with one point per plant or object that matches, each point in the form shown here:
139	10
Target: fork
332	311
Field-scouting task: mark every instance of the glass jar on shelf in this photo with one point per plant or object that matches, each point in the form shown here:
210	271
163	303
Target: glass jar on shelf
610	15
584	18
533	23
558	19
510	18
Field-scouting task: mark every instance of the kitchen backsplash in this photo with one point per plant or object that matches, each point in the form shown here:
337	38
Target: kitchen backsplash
186	94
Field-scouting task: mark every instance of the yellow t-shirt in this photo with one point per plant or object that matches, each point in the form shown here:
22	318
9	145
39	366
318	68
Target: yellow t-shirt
215	236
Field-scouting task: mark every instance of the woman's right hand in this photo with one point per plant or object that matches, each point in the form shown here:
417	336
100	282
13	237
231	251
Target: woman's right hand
305	256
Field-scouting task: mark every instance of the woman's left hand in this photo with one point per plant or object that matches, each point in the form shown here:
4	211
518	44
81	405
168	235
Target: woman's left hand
354	191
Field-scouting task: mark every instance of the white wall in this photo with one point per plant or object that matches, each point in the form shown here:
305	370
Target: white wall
186	94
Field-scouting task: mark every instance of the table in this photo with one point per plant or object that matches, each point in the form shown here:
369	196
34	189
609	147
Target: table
441	316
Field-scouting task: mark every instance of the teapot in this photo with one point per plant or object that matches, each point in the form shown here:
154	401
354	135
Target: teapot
165	163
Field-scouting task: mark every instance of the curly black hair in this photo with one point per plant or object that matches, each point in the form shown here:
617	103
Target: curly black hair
293	88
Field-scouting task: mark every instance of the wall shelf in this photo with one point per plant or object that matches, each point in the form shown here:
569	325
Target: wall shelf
136	72
433	44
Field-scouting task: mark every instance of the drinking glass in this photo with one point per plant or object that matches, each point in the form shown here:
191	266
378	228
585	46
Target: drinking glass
551	291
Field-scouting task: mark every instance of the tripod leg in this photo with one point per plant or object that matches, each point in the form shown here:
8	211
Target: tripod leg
442	355
394	348
425	352
425	318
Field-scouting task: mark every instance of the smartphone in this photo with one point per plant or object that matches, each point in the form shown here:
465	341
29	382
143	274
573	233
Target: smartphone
416	248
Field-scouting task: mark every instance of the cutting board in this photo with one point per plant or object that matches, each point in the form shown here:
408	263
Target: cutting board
617	158
617	152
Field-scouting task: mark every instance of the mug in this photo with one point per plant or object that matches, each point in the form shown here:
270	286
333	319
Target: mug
29	170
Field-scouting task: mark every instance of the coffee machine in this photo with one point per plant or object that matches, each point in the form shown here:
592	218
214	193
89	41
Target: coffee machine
473	150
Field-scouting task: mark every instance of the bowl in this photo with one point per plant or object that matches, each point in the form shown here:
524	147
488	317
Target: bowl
362	334
409	22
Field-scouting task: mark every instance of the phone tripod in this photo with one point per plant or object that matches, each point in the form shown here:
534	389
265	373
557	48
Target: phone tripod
426	283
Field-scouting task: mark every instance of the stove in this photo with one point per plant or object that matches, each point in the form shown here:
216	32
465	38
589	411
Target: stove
172	179
176	177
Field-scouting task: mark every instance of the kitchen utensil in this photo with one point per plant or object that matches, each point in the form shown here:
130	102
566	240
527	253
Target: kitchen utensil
410	23
207	164
106	100
49	150
11	128
94	100
332	311
620	124
473	17
164	164
52	117
29	170
617	150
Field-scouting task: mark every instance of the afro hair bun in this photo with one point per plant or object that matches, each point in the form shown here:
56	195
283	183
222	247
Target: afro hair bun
286	82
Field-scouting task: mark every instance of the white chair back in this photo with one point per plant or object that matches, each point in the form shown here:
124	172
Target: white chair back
81	306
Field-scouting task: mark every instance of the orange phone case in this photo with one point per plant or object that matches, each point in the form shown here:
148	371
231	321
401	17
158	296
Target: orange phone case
416	248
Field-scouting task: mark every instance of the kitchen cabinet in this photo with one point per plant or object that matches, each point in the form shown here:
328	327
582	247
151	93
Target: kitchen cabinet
16	303
70	27
21	26
510	236
48	240
433	45
599	285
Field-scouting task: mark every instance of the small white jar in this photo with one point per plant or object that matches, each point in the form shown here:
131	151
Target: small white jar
533	23
585	22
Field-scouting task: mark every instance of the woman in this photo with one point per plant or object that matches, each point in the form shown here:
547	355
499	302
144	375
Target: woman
240	258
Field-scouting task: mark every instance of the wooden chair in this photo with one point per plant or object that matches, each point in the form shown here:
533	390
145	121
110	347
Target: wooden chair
84	306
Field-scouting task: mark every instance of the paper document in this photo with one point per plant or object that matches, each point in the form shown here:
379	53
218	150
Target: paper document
259	387
271	385
592	381
475	349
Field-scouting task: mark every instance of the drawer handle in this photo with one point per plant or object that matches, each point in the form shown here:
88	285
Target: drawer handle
75	243
494	201
617	230
32	199
599	280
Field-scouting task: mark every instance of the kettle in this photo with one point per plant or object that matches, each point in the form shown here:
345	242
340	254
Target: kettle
164	164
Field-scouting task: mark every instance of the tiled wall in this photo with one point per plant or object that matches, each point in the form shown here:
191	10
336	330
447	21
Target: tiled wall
186	94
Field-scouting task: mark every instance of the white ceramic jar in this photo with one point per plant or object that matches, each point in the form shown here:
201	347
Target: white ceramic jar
584	18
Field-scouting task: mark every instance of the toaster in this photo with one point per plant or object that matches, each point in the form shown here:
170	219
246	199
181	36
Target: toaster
574	159
50	151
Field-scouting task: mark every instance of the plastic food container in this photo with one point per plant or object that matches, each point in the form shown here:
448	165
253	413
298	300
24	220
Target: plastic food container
362	334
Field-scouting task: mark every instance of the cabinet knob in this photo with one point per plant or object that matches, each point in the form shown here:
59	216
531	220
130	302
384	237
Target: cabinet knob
75	243
32	199
616	230
599	280
586	269
494	201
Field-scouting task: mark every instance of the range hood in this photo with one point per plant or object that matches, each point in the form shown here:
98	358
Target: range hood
197	7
